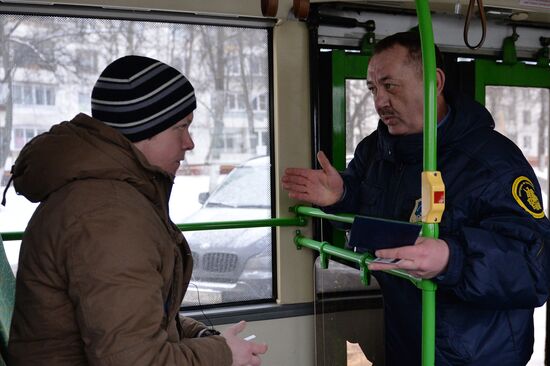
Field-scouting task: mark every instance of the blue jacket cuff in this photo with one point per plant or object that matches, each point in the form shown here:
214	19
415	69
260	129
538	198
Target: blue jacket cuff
455	265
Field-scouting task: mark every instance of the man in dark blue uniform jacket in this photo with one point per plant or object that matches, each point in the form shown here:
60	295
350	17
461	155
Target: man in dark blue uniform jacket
491	261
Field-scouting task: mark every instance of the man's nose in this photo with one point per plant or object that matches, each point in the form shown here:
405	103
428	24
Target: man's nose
381	99
188	143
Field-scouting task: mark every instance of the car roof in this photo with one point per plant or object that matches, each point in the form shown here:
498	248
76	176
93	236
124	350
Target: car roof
257	161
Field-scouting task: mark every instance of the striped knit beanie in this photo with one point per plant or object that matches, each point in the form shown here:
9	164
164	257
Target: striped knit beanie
140	97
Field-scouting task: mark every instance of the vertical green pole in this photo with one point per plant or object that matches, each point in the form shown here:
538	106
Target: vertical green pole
430	164
430	86
428	322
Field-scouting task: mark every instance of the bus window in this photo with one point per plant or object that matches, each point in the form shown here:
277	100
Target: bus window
361	117
522	115
46	82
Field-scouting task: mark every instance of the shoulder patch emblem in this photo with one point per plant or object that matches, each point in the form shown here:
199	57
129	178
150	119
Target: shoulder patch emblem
524	193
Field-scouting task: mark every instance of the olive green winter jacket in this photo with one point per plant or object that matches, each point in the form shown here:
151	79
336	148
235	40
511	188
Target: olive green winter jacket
102	269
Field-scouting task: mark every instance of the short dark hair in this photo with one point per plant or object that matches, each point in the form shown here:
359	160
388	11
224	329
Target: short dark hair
411	41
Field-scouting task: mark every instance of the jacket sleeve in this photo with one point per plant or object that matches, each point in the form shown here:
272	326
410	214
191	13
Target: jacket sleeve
190	326
501	258
115	277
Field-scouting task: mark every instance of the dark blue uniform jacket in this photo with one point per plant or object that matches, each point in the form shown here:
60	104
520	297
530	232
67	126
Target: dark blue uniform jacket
498	238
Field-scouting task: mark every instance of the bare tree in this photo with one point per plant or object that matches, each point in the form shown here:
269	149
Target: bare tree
250	133
214	56
71	51
6	30
34	46
181	47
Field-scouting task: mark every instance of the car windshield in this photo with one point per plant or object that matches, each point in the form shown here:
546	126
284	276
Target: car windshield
246	186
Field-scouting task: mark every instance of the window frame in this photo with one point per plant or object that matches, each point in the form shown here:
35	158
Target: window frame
206	20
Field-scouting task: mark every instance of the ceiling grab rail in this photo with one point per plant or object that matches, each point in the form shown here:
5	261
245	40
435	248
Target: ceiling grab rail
469	15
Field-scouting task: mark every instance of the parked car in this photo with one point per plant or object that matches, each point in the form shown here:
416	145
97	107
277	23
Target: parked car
234	264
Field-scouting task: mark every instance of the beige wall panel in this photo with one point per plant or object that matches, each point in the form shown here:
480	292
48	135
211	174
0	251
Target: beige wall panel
292	137
290	340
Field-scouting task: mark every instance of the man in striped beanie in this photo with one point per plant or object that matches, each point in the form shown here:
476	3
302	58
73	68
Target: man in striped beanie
101	255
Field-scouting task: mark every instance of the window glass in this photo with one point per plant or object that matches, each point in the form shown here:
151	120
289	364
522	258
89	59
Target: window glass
260	103
361	117
229	194
33	94
523	115
22	135
228	174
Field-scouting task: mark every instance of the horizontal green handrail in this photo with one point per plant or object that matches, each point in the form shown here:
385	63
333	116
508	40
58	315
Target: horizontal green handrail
315	212
14	235
291	221
362	259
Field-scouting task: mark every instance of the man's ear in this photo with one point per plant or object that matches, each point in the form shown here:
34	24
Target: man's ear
440	80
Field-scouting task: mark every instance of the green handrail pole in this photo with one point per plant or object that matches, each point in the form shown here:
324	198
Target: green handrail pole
428	322
12	235
215	225
362	259
315	212
243	224
430	164
430	85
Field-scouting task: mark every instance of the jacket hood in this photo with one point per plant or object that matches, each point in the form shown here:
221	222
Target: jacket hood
474	118
466	117
83	148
